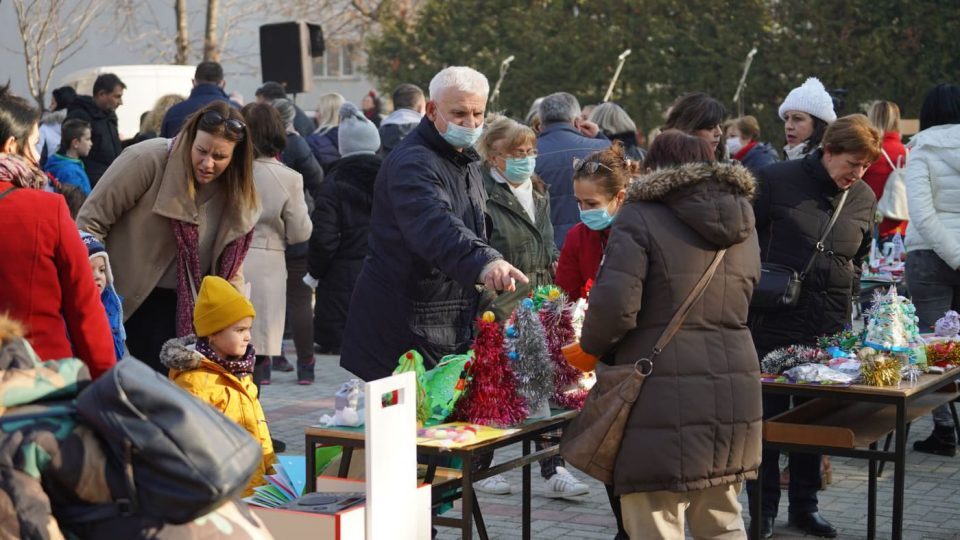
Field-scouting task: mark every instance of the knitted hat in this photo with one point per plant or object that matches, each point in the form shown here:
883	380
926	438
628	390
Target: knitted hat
218	306
95	249
357	134
812	98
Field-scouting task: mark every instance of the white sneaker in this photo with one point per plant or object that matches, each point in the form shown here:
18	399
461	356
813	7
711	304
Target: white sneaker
495	485
563	485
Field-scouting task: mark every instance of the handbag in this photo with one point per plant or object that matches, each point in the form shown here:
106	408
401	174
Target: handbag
592	440
893	200
780	285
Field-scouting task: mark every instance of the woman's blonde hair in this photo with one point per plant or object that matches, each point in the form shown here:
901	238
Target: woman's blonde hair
885	116
853	134
328	111
237	178
154	120
502	133
748	127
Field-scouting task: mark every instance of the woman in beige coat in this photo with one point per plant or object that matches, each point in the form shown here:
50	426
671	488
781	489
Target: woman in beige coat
171	211
284	221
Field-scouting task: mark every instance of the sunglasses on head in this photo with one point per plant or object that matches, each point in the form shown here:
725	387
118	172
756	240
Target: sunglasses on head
588	166
212	119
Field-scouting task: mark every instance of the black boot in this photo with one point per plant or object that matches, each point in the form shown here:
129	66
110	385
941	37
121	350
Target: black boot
942	442
813	524
766	527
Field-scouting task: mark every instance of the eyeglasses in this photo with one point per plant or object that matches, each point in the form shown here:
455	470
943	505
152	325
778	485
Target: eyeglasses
588	166
212	119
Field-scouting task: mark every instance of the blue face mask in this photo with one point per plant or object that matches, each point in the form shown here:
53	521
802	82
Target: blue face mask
519	170
597	219
459	136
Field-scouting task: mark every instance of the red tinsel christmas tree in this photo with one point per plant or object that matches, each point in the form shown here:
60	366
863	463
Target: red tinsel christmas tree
556	315
491	398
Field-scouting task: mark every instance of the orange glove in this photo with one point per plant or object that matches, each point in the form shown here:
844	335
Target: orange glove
578	358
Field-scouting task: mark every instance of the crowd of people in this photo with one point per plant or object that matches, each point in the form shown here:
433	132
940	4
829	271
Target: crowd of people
196	245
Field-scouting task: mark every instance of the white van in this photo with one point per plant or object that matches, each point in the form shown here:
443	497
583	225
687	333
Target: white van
145	84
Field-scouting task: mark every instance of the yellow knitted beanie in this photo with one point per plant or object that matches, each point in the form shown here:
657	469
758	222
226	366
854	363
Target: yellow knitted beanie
218	306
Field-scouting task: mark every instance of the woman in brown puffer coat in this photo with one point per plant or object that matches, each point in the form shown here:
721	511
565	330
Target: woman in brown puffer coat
694	433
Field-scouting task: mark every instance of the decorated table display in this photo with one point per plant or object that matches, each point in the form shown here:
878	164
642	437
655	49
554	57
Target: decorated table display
889	349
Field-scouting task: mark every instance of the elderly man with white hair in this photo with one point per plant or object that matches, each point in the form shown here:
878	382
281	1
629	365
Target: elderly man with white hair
427	244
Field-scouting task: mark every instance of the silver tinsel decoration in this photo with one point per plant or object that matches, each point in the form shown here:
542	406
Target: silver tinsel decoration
533	367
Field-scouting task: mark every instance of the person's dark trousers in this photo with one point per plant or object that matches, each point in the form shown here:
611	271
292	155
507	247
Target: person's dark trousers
804	470
261	371
934	289
151	325
300	315
617	512
548	466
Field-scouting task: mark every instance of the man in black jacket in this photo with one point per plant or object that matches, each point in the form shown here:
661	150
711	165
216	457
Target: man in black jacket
208	86
99	110
427	244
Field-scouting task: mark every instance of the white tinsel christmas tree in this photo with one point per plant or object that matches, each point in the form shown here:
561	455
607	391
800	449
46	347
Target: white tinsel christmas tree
893	323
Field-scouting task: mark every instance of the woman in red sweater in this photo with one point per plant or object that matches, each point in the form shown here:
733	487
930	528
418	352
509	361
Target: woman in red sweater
885	116
47	280
600	185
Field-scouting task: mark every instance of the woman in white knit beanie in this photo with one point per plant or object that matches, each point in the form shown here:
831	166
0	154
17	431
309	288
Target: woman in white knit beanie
806	113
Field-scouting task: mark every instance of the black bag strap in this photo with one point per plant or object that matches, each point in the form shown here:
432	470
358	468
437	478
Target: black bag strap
7	192
818	248
682	312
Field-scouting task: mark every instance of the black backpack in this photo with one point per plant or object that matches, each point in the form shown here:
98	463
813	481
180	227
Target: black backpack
181	458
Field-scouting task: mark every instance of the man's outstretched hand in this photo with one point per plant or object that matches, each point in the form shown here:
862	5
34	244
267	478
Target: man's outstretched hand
500	275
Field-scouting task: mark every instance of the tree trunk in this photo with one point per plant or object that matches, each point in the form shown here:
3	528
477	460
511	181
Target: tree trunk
183	39
211	52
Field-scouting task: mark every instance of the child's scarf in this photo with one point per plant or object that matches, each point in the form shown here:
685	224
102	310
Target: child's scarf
240	367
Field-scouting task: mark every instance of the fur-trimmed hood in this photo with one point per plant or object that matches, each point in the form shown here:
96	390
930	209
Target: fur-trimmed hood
181	353
714	199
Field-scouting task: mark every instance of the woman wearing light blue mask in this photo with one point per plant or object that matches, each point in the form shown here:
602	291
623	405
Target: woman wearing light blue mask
600	184
519	227
518	206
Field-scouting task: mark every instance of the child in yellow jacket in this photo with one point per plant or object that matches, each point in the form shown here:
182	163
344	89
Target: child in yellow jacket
216	364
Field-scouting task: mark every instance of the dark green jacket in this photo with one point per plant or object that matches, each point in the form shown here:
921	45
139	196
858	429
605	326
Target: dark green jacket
528	246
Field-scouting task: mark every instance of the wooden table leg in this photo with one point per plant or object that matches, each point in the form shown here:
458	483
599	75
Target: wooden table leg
345	458
467	496
526	492
900	471
310	450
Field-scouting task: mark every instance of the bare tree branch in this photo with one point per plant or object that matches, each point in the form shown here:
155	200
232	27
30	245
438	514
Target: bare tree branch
51	32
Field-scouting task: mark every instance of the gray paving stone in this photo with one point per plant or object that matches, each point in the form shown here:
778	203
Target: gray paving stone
932	495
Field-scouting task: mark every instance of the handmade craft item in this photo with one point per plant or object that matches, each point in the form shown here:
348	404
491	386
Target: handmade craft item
556	316
879	368
346	403
491	397
948	326
532	365
780	360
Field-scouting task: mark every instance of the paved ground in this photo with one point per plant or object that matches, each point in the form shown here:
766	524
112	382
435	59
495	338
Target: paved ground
932	494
